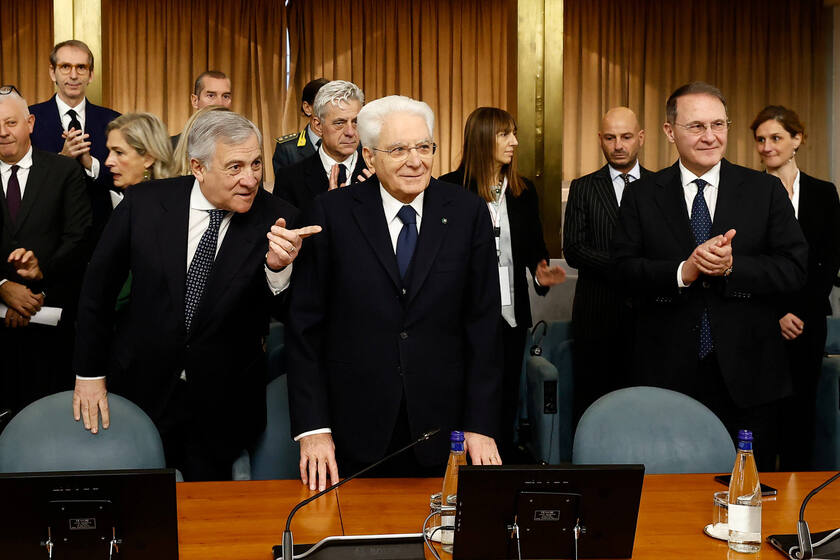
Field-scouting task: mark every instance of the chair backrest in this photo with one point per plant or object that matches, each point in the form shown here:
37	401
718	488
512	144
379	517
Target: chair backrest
832	339
827	409
275	350
276	456
44	437
666	431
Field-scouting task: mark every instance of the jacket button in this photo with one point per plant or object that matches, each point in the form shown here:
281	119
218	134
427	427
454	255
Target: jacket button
706	284
403	335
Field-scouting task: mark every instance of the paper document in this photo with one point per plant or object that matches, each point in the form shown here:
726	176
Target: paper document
46	316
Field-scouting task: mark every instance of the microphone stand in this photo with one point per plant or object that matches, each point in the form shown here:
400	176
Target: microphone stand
288	541
803	533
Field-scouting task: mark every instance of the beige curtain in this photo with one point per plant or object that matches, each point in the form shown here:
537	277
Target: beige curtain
153	51
636	52
26	40
452	55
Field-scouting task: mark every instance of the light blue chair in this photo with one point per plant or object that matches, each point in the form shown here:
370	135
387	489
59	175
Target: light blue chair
827	410
275	455
44	437
666	431
548	391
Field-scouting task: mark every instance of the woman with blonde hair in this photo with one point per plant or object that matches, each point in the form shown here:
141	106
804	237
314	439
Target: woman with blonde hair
138	150
181	157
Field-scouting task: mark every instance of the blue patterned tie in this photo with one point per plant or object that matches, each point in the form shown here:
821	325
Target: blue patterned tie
407	240
201	266
701	226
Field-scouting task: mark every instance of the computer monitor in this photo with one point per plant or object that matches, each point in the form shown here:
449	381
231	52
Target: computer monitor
546	503
81	515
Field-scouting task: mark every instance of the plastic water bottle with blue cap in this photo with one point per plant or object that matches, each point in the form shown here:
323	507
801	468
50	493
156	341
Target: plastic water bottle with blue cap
745	499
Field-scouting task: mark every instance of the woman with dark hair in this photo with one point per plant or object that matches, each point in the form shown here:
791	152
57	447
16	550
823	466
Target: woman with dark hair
488	168
778	135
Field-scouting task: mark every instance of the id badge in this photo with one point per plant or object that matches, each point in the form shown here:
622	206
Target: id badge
504	285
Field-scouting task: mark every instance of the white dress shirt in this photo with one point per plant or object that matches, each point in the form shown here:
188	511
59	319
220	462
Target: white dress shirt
24	164
80	116
391	206
795	198
618	183
710	194
328	162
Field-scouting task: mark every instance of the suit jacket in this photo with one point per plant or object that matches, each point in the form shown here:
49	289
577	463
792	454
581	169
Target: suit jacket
588	226
819	218
527	243
54	222
46	135
653	236
305	180
359	338
223	354
291	149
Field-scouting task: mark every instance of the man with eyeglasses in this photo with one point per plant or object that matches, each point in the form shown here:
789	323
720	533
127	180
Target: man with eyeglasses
393	319
44	231
708	248
69	124
338	160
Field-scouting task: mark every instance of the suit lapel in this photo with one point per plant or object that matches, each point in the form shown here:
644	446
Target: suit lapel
671	200
370	217
37	180
729	202
316	179
54	120
433	228
605	192
172	224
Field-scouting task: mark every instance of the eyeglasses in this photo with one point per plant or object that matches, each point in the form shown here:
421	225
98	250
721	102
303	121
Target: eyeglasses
81	69
698	128
424	150
6	90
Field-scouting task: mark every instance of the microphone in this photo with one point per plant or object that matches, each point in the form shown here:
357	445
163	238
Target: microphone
803	533
288	542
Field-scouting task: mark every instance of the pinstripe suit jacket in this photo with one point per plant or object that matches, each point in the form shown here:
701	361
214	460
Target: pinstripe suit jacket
591	215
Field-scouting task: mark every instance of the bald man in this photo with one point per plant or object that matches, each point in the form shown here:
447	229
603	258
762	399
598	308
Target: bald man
600	315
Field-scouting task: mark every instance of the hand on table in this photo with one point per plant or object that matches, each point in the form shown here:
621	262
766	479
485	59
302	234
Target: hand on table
482	449
317	459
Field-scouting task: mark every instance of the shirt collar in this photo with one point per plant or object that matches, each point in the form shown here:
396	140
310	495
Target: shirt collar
25	162
712	176
391	205
197	199
313	138
349	162
635	173
64	107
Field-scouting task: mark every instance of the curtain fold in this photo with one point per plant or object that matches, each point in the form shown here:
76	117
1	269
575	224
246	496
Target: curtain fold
452	55
25	44
636	52
155	49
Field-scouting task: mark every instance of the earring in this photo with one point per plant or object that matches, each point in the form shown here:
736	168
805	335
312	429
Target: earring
147	175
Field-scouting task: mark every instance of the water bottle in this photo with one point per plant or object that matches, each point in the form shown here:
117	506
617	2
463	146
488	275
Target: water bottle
457	457
745	499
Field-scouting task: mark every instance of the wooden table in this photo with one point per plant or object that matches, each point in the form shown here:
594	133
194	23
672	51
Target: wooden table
243	520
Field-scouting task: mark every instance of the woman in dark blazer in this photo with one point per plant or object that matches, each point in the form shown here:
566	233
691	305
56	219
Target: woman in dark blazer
778	135
488	168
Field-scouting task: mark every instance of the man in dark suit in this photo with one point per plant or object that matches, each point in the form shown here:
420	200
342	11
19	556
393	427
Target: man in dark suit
45	228
393	331
707	248
207	254
338	160
212	87
601	313
297	146
71	125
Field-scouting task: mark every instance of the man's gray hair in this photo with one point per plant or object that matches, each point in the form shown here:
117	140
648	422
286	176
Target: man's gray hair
335	93
213	126
372	116
15	96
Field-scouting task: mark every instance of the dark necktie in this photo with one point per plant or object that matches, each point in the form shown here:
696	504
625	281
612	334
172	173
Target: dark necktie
74	121
201	266
626	178
407	240
13	194
701	226
342	174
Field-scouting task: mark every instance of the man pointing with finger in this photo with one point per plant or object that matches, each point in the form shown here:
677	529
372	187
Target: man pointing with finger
207	255
706	247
